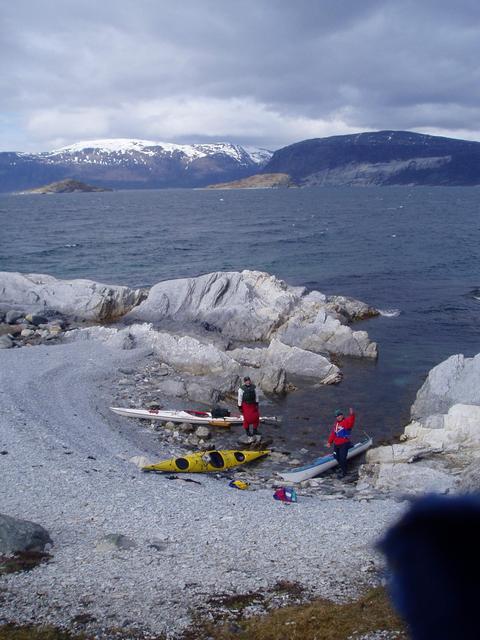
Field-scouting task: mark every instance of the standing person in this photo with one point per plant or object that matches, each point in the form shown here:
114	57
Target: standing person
340	437
248	405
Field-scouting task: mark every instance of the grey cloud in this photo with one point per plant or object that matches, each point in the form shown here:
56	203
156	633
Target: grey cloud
373	64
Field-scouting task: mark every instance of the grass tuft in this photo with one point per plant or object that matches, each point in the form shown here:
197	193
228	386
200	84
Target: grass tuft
317	620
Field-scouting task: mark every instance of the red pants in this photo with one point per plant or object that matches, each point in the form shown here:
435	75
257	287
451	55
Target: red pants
251	415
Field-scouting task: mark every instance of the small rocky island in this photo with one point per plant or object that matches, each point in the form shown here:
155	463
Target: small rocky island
66	186
259	181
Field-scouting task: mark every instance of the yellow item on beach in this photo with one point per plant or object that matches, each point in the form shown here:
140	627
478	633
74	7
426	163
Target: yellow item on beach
219	423
239	484
206	461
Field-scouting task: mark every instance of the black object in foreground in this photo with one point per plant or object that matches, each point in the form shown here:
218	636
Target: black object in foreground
434	558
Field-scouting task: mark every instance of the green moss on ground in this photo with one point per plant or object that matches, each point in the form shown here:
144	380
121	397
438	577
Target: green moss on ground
13	632
317	620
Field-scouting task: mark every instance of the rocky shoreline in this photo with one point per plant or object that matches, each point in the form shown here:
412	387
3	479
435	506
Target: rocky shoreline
142	553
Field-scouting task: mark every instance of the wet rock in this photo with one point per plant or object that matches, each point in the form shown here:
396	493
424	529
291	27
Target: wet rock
350	308
315	327
21	535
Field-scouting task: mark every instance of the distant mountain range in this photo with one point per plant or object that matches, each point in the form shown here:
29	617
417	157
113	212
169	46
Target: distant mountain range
131	164
379	158
364	159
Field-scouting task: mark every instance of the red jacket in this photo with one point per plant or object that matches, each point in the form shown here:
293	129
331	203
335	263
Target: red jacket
340	433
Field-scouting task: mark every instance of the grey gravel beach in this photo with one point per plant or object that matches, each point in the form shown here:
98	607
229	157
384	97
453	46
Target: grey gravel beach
68	469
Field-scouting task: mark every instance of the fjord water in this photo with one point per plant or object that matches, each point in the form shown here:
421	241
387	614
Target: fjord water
409	250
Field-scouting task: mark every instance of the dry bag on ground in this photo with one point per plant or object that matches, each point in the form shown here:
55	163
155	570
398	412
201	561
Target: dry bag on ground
220	412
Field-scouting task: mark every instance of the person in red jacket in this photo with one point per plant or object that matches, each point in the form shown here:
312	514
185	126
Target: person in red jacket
340	438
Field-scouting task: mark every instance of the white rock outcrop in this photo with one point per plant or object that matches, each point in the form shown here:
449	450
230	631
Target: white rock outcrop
245	305
84	299
293	360
182	353
254	306
189	355
455	380
429	458
315	327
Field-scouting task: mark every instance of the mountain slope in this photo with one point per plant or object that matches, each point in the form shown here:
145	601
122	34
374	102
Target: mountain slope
379	158
125	163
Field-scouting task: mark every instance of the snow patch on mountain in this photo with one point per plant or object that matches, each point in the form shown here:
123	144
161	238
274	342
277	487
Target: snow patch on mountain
88	149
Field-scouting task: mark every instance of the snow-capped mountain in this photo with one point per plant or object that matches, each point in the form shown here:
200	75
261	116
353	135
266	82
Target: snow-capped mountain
130	163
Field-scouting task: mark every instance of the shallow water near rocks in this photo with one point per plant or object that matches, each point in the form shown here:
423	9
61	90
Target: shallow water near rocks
411	252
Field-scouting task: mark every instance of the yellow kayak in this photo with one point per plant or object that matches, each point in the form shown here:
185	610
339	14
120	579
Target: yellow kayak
205	461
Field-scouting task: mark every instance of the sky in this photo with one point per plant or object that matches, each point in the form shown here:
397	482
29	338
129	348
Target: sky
265	73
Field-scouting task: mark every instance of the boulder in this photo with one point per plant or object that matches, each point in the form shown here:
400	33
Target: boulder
403	478
6	342
292	360
350	308
203	432
313	328
186	427
85	299
12	316
300	362
21	535
455	380
273	380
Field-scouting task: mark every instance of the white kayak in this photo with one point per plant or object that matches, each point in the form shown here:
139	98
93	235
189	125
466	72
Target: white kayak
318	466
191	416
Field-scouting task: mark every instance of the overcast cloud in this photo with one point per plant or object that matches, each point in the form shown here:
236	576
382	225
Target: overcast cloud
261	72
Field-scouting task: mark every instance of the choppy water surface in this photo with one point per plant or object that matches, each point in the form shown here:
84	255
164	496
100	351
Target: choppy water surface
415	251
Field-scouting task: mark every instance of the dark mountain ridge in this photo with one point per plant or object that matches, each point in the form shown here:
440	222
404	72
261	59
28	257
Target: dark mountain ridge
379	158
